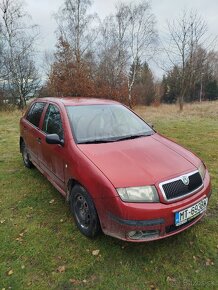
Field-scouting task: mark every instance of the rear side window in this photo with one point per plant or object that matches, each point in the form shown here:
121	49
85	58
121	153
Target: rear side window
35	112
52	122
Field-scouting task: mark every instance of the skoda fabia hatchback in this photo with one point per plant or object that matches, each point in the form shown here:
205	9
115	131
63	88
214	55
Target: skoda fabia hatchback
118	174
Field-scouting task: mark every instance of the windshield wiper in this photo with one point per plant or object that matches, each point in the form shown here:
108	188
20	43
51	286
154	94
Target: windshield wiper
134	136
97	141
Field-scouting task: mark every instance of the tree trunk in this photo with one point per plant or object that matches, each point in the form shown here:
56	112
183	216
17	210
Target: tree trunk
181	103
130	100
22	102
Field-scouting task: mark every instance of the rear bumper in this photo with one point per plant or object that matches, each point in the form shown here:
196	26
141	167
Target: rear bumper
153	221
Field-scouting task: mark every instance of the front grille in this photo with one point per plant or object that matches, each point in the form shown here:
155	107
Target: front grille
177	188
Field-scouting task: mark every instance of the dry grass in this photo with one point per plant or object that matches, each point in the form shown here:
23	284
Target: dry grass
198	110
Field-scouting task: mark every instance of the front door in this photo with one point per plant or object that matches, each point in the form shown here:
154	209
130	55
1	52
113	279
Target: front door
51	156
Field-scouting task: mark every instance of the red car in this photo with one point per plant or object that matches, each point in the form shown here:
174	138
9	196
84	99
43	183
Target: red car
118	174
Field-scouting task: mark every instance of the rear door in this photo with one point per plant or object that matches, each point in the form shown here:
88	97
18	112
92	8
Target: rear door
31	131
51	156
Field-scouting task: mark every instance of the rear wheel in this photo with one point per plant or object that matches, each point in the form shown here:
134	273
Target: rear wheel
84	212
25	155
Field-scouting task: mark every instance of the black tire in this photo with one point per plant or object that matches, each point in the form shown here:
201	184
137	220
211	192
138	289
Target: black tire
25	155
84	212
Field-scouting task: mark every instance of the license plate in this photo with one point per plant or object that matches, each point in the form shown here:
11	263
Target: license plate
191	212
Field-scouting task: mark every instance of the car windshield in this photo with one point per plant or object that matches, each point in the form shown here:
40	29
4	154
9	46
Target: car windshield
105	123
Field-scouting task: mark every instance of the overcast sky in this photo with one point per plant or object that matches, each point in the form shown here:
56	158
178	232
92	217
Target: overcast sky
42	12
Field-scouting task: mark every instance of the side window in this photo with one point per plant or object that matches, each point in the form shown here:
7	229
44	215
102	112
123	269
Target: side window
52	122
35	113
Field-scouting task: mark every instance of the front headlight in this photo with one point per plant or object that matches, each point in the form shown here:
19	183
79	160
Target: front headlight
202	170
139	194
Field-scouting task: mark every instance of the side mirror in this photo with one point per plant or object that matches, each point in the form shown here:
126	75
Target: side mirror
54	139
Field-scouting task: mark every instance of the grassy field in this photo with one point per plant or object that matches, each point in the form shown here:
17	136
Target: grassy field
40	247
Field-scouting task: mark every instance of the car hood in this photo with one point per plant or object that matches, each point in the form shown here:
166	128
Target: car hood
141	161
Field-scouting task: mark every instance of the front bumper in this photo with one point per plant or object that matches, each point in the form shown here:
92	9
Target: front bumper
140	222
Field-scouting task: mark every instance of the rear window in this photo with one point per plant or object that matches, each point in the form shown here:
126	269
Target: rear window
35	112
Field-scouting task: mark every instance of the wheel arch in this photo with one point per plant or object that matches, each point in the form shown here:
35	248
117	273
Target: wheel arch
70	184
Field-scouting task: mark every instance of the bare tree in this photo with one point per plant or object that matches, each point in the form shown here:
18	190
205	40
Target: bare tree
77	30
122	39
142	38
187	35
19	71
128	36
112	57
213	63
78	27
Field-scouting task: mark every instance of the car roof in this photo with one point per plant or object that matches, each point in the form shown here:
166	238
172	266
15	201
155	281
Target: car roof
74	101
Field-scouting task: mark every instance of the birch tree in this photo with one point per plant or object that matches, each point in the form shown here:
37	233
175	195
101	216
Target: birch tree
142	38
129	36
78	27
186	35
19	71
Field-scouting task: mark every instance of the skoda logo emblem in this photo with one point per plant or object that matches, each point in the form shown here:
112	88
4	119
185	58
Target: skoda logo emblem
185	180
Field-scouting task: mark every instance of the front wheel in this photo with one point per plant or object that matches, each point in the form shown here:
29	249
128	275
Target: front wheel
25	155
84	212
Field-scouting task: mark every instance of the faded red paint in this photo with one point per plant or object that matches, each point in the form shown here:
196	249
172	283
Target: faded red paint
100	168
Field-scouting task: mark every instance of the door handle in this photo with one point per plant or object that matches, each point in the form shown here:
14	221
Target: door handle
38	140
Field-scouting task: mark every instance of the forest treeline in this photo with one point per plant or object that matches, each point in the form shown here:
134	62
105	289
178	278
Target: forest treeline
108	58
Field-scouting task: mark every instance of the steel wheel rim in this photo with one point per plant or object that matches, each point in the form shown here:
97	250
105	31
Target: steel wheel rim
82	211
